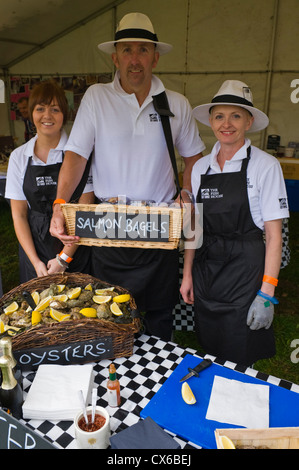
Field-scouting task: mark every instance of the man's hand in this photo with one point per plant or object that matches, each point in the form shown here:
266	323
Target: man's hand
58	229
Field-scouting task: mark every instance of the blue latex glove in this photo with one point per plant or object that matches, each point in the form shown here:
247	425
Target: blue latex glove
261	312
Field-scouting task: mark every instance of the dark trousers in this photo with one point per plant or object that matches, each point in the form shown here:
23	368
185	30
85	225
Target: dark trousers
159	323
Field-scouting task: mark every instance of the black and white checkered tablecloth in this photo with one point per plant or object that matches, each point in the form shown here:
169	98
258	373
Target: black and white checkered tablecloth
140	376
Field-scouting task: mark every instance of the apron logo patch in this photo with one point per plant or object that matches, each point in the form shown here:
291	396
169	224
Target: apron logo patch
283	203
45	181
154	117
210	193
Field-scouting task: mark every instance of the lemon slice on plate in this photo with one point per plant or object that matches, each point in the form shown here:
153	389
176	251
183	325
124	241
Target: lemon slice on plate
187	394
101	299
121	298
88	287
115	309
74	293
226	443
60	287
11	308
89	312
43	304
58	316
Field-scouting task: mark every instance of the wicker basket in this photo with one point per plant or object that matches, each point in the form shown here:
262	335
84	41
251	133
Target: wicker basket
174	214
72	331
269	438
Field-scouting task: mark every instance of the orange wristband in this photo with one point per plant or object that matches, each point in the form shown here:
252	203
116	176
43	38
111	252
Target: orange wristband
270	280
59	201
65	257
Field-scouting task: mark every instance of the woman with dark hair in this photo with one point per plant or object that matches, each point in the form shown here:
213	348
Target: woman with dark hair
31	187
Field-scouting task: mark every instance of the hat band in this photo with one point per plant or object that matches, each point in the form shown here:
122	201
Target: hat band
135	33
231	99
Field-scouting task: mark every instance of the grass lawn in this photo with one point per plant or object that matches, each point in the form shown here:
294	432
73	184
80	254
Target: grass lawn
286	320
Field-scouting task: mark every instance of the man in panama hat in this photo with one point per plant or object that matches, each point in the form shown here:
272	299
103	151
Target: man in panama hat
119	124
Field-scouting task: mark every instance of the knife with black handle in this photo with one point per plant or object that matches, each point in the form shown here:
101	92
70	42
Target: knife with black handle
196	370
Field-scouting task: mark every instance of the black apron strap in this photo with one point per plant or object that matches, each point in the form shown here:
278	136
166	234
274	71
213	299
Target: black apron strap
161	105
80	188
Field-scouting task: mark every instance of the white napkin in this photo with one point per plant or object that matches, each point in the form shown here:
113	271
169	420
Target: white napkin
53	394
238	403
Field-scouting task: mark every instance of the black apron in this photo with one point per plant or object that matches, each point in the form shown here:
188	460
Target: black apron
151	275
228	270
39	186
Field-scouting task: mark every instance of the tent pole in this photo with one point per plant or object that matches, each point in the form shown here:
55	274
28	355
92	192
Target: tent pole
7	101
270	71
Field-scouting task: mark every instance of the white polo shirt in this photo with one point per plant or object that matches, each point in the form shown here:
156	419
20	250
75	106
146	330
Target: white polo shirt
18	162
131	156
265	183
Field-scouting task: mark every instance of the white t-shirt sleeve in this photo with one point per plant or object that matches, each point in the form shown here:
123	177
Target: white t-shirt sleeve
187	139
15	177
273	195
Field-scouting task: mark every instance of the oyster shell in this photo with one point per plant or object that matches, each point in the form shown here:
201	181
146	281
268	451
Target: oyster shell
58	304
103	311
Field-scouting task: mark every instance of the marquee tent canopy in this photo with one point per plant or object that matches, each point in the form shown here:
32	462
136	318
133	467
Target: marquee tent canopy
212	40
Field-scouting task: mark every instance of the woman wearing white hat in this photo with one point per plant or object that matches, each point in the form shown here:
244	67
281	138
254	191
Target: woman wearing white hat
231	278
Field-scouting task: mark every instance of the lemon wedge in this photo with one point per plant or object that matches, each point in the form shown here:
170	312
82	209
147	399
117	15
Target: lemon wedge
102	291
2	326
61	297
115	309
43	304
12	333
35	317
58	316
226	442
89	312
101	299
121	298
88	287
187	394
60	287
36	297
11	308
74	293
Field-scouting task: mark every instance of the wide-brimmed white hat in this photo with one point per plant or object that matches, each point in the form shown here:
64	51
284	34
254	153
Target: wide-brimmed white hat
233	93
135	27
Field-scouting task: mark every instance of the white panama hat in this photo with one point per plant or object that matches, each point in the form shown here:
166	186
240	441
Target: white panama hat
135	27
233	93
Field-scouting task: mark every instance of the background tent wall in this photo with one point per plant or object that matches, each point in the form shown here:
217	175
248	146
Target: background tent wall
213	40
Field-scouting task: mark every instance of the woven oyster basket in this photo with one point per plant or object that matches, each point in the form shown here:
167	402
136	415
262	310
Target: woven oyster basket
42	337
121	225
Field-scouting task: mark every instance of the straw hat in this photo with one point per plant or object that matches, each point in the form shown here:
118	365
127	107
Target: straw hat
135	27
234	93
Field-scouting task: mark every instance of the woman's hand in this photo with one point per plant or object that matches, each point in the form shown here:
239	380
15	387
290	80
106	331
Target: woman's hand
41	269
54	267
186	290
